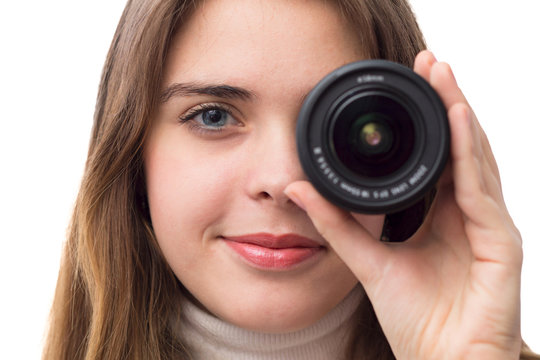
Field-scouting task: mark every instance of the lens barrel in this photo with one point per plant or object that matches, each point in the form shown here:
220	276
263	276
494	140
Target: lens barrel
373	137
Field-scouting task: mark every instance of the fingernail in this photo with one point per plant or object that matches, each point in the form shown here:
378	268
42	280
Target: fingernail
295	199
468	115
433	59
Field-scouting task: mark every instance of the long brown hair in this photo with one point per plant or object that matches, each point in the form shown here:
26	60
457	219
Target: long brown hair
115	295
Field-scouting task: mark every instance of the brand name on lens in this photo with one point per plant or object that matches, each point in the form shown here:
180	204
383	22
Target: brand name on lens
355	191
369	78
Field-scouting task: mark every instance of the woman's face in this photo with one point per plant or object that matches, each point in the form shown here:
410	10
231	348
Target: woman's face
222	149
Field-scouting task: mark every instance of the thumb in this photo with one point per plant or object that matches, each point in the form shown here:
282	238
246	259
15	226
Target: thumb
357	246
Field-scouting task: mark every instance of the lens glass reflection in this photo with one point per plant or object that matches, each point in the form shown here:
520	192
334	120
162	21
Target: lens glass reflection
370	135
373	135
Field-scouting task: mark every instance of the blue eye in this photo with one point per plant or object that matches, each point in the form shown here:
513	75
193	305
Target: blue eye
214	118
209	117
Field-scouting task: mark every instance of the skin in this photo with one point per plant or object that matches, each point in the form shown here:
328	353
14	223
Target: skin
449	292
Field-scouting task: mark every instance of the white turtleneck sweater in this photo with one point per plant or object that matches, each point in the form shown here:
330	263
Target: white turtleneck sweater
208	337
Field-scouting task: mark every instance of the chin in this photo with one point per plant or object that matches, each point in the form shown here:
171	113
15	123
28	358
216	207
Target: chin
281	309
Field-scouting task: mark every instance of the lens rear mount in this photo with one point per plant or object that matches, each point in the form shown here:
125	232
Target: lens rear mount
373	137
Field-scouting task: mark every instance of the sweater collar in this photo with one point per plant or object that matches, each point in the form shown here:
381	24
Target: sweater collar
208	337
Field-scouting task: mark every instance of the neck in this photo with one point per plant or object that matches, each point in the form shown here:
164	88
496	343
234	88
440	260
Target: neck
208	337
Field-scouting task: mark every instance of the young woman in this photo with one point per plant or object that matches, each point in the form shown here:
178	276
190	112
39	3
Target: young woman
192	169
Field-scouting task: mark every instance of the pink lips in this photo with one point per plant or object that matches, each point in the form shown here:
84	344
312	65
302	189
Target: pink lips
269	251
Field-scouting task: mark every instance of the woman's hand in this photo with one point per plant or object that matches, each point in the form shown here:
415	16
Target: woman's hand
452	291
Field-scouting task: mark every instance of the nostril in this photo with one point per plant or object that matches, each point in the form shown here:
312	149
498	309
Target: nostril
265	195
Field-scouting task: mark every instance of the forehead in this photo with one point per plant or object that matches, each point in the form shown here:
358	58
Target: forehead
244	41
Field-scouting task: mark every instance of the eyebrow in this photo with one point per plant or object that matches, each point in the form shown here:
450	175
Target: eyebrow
193	89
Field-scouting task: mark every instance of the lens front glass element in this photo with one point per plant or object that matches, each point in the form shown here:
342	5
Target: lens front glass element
373	135
370	135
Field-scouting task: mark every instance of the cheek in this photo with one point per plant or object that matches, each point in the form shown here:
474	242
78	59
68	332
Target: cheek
186	195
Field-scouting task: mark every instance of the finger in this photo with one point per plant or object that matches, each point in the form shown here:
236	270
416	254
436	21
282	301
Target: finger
476	189
477	186
423	63
442	79
444	82
354	244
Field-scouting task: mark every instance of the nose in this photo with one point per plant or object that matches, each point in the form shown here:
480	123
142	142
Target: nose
274	163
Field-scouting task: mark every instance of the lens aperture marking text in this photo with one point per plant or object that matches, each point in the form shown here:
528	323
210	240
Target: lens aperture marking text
374	194
325	168
418	175
399	189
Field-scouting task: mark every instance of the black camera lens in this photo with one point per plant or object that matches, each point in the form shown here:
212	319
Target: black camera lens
372	134
373	137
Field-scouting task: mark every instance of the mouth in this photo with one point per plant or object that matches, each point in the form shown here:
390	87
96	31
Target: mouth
275	252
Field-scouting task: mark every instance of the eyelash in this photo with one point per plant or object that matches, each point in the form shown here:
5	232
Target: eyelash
190	115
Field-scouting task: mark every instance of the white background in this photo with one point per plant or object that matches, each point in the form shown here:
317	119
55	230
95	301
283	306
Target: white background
51	55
